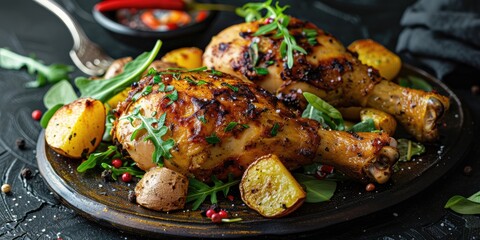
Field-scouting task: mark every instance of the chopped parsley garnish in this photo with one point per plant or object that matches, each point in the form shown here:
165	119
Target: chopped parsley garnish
192	81
173	96
274	130
147	90
230	126
202	119
261	71
215	72
311	35
213	139
235	89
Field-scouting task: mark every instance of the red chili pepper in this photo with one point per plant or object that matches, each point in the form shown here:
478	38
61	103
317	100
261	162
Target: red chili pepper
112	5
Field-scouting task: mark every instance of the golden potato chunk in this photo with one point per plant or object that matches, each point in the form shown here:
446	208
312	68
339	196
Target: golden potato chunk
376	55
188	57
382	120
76	129
162	189
270	189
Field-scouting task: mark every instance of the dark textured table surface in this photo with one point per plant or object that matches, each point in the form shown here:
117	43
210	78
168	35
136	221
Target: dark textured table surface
32	212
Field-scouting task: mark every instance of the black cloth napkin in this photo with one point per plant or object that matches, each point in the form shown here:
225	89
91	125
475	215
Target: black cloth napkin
442	34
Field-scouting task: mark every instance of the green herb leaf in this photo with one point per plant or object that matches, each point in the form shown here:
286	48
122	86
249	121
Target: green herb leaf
105	89
109	120
173	96
462	205
274	130
253	53
367	125
311	35
45	74
155	129
235	89
415	83
133	170
198	191
230	126
252	12
261	71
60	93
408	149
202	119
97	158
323	112
317	190
213	139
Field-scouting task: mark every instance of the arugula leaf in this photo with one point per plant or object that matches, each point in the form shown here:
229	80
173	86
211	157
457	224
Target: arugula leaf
415	83
45	74
462	205
60	93
104	89
408	149
323	112
133	170
251	12
317	190
155	129
97	158
199	191
109	120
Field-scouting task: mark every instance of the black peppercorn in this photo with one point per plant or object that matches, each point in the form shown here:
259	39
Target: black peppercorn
467	170
107	176
26	173
132	197
20	142
475	89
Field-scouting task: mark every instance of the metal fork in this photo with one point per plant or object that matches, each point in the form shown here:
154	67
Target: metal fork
86	55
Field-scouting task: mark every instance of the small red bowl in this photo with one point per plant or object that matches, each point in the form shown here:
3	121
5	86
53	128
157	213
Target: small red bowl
145	39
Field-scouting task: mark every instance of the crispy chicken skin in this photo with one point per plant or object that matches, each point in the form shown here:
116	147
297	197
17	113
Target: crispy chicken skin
264	125
328	70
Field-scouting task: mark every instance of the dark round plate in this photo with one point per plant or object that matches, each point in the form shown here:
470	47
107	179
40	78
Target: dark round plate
107	204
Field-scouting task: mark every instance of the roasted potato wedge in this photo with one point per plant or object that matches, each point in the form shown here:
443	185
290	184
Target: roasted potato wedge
270	189
383	121
162	189
188	57
376	55
76	129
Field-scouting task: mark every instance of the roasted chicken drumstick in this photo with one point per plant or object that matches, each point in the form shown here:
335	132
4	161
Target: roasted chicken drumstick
220	124
327	70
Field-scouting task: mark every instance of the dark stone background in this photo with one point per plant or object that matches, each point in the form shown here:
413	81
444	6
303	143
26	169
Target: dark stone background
32	211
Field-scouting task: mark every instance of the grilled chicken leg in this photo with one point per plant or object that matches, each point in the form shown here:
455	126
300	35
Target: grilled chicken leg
327	70
221	124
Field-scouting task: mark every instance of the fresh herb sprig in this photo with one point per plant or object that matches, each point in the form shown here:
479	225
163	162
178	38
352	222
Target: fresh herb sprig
98	158
45	74
155	129
279	25
199	191
133	170
463	205
323	112
105	89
